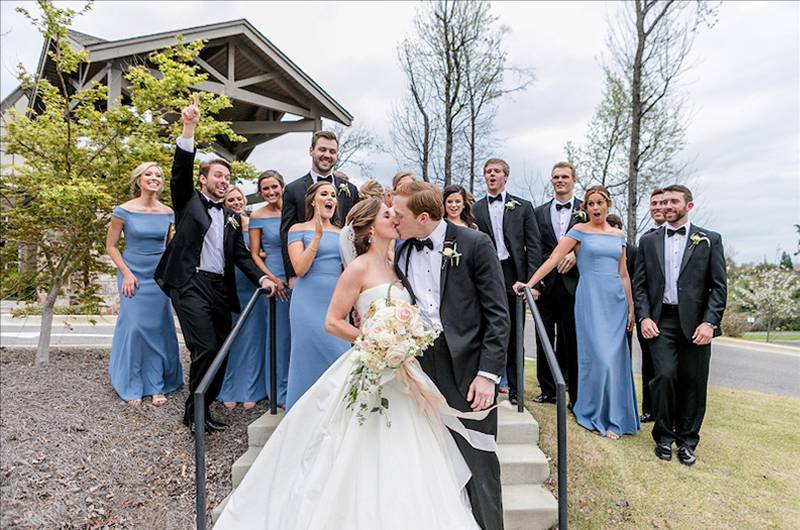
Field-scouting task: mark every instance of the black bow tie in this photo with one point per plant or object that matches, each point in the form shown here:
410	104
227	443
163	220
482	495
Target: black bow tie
492	199
567	205
209	204
328	179
681	231
420	244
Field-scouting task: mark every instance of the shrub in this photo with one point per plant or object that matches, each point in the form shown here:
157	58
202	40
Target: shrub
735	324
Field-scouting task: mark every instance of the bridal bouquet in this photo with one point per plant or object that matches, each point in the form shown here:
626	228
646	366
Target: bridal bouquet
393	331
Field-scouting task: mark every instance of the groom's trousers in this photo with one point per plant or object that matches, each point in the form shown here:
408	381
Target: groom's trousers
680	381
483	489
205	317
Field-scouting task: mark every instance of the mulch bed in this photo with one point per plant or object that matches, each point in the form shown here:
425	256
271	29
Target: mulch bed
74	455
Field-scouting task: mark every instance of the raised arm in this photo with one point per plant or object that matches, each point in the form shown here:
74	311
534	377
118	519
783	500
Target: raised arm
182	178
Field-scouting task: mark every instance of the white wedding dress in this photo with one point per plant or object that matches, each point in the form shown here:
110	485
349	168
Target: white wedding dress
321	470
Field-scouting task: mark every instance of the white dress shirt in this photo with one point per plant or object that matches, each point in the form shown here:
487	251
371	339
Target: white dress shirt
212	255
560	218
424	275
496	211
674	247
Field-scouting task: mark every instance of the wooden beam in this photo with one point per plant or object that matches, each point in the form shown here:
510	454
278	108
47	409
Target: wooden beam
231	61
105	51
253	80
240	94
211	70
114	85
272	127
223	152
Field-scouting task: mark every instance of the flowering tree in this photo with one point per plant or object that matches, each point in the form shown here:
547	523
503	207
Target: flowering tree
78	153
771	293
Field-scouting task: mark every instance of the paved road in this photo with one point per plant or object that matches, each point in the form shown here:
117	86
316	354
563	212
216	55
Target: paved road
735	364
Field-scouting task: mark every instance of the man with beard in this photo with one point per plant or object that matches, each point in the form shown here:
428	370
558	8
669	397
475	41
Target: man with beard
680	289
324	152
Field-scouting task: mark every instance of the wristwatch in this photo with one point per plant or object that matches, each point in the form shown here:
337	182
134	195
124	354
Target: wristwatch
712	326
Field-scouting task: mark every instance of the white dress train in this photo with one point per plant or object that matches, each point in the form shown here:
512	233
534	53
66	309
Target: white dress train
321	470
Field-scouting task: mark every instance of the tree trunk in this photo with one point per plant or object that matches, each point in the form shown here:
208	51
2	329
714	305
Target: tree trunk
636	119
472	154
46	327
426	148
769	327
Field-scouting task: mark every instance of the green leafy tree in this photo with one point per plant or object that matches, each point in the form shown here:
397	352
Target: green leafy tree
79	151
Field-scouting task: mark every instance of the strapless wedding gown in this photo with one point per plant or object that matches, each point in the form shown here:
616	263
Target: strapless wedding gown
321	470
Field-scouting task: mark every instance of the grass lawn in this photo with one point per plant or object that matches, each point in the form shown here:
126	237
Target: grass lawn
761	336
747	474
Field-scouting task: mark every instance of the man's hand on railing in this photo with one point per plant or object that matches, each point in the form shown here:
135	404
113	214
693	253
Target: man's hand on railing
269	285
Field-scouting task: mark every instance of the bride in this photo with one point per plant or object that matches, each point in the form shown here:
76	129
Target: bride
321	468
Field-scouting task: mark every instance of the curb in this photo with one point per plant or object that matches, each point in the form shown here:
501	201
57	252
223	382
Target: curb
753	344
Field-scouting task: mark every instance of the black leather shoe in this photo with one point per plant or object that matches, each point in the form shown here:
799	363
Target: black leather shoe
647	418
214	425
512	397
190	424
544	398
664	452
686	455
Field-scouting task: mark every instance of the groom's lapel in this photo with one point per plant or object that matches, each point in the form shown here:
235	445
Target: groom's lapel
449	235
400	264
687	252
659	243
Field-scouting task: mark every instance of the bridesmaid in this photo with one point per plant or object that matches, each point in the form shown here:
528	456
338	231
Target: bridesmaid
144	352
314	251
265	240
606	401
244	376
457	207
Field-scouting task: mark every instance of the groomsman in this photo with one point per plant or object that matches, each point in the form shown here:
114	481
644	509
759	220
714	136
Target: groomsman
557	302
680	290
657	215
196	270
510	223
324	152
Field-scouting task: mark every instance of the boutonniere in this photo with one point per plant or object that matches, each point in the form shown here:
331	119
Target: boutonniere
232	222
344	188
450	254
699	237
580	215
511	204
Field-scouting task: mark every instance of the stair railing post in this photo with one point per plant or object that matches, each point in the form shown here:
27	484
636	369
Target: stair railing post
273	358
520	336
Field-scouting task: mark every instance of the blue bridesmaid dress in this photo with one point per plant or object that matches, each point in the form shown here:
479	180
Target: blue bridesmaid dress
271	245
245	379
313	350
606	395
144	351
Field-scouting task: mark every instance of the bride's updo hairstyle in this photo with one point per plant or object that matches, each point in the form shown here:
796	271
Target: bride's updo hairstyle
601	190
361	217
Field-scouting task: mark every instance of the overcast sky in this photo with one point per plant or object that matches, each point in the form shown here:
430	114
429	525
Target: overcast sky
744	136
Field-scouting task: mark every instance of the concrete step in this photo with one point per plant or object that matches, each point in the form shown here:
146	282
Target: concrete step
525	507
260	430
529	507
516	427
242	465
522	464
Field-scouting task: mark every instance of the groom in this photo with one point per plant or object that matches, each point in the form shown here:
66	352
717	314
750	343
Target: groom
455	278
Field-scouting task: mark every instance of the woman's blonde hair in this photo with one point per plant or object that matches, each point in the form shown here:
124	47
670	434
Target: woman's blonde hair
401	175
231	190
136	190
601	190
370	189
361	217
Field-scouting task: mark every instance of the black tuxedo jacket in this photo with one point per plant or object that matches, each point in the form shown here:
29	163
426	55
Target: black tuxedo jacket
181	259
631	252
473	306
520	231
294	209
702	281
549	243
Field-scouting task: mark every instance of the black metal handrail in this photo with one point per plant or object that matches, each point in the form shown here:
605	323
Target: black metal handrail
561	397
202	388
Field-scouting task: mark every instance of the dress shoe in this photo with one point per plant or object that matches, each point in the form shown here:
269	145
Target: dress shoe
686	455
215	425
544	398
190	424
647	418
512	397
664	451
